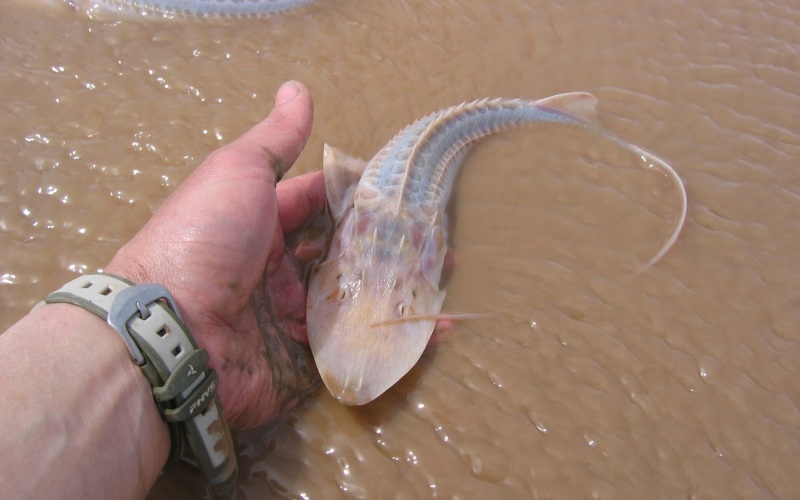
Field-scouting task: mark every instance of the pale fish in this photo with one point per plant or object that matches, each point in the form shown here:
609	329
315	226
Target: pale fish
116	9
374	301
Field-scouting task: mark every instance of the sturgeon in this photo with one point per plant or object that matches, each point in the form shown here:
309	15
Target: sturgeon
374	301
103	9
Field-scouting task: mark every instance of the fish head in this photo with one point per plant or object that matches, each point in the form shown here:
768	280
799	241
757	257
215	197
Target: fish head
371	308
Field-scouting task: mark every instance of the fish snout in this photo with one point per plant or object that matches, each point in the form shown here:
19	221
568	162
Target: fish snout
347	392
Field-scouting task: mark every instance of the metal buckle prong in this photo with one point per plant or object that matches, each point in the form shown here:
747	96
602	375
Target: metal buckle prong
132	302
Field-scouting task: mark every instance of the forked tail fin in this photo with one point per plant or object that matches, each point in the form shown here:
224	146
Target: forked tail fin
653	161
582	106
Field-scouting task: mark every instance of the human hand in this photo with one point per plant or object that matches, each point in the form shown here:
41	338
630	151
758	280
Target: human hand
217	244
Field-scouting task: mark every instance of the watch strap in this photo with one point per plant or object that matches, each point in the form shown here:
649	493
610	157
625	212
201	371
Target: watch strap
184	388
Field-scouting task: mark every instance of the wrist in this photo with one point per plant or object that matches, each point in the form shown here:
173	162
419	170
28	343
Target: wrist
84	408
146	317
135	270
100	352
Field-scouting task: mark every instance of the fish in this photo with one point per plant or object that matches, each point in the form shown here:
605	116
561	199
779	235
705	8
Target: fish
168	9
374	300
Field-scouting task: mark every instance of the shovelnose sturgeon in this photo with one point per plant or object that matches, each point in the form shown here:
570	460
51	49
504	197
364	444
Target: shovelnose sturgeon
374	301
166	9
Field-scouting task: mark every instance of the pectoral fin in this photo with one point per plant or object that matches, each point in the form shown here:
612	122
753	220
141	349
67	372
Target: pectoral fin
342	173
433	252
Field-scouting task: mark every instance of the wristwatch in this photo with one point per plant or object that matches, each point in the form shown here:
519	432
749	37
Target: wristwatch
184	388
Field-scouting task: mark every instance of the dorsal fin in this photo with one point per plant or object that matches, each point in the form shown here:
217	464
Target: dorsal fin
342	173
580	105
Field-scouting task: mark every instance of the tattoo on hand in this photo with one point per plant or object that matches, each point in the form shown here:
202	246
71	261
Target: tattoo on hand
294	374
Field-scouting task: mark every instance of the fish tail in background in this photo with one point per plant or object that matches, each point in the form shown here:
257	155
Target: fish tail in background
104	9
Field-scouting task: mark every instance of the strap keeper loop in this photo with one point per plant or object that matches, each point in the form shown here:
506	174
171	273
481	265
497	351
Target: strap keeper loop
197	402
186	373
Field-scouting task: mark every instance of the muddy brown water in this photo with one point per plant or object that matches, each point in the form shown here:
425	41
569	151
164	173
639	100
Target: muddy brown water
590	378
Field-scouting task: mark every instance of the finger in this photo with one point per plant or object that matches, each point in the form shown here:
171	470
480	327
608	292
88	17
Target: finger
442	332
307	251
282	135
299	198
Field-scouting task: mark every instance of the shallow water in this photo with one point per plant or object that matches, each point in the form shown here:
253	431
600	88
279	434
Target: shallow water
590	378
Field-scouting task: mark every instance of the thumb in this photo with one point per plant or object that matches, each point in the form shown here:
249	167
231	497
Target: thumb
287	92
283	134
